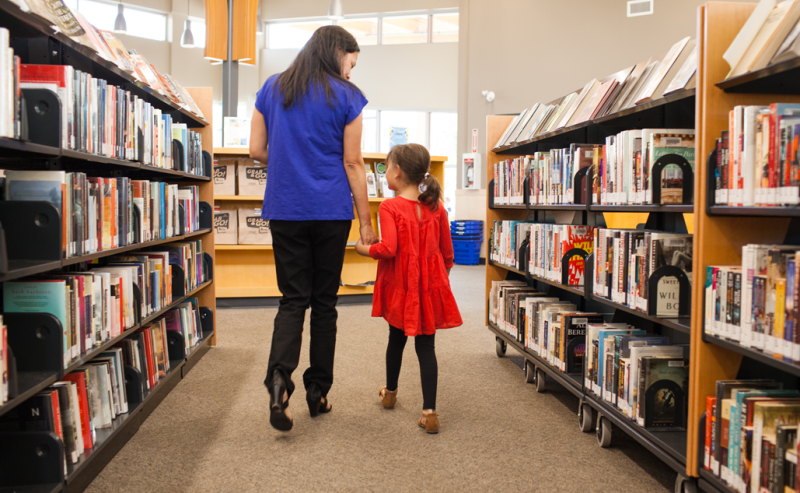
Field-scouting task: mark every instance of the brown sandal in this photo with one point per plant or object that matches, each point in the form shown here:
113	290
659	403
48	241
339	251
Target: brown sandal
429	421
388	397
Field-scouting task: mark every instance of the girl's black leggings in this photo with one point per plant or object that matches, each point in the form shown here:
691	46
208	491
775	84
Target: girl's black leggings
428	368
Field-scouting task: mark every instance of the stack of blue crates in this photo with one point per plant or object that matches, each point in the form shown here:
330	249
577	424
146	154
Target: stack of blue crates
467	237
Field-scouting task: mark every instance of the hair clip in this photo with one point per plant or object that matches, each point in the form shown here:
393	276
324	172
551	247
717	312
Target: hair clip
422	188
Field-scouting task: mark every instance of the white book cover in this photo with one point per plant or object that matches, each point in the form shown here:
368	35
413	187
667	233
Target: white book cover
748	155
747	34
762	36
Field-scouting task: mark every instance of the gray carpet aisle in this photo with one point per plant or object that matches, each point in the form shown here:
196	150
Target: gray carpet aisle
212	432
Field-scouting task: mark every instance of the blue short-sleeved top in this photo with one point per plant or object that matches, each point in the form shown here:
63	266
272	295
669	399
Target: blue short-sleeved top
306	179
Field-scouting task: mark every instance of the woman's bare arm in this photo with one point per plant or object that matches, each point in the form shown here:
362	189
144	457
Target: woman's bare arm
357	177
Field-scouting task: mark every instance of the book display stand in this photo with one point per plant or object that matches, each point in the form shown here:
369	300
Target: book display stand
31	244
248	271
720	232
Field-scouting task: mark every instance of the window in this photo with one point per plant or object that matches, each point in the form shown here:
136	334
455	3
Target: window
405	30
445	28
369	134
444	142
415	123
364	30
198	32
292	35
141	23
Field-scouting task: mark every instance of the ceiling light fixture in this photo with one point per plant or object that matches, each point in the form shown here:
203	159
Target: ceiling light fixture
187	39
120	26
335	11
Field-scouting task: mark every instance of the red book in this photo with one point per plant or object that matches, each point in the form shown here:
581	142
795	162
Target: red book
56	413
79	379
148	351
710	402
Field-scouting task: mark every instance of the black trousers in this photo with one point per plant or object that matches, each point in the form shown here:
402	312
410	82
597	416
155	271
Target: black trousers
428	366
308	260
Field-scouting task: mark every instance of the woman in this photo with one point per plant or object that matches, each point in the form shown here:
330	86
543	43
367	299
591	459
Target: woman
310	115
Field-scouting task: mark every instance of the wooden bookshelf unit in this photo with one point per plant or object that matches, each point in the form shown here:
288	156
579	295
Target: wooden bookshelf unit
248	271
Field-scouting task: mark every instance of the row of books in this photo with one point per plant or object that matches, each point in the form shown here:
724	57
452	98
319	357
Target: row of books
756	303
92	397
241	176
622	170
241	226
377	186
758	157
74	25
99	214
771	35
645	81
103	119
751	435
624	260
640	374
540	248
99	304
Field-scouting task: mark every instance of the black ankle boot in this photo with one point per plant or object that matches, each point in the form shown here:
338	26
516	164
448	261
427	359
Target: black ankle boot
316	403
277	406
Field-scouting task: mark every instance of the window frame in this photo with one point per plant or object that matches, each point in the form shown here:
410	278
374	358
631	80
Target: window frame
166	15
380	16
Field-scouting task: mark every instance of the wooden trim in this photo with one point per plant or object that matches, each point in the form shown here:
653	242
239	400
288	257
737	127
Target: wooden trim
216	33
241	198
203	97
236	151
244	32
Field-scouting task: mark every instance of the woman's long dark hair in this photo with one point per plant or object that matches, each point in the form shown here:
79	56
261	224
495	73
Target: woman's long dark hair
318	61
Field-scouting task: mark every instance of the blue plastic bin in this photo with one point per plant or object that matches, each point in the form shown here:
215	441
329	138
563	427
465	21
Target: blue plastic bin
467	252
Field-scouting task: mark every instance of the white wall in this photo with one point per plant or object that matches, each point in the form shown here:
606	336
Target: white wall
290	9
423	76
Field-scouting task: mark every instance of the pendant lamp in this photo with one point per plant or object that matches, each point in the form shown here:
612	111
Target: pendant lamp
187	39
120	26
335	11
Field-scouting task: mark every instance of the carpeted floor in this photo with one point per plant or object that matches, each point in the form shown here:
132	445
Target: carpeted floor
211	433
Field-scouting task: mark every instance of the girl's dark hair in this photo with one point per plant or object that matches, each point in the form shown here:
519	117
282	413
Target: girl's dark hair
319	61
415	161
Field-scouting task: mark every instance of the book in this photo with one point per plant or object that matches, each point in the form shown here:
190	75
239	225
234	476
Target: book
685	78
666	70
663	392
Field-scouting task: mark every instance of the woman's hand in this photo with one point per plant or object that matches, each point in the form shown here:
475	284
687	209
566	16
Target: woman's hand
368	236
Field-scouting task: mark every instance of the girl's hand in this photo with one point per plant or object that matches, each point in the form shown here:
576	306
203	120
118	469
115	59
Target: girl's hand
361	248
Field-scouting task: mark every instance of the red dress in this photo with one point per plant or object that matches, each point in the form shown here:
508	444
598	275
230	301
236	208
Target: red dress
412	290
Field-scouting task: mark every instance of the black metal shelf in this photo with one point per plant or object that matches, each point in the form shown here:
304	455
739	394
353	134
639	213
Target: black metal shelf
26	25
642	208
174	303
35	488
724	210
577	133
29	383
521	207
570	289
767	359
667	445
84	157
570	382
136	246
511	269
105	436
25	268
780	78
711	483
27	147
679	324
558	207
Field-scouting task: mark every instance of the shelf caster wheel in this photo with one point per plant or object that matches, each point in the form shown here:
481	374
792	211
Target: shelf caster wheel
530	372
684	484
603	432
541	379
500	346
585	418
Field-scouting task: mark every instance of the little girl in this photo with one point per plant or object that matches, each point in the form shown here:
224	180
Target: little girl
412	290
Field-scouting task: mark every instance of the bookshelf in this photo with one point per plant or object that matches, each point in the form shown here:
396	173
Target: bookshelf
34	461
675	110
248	271
721	230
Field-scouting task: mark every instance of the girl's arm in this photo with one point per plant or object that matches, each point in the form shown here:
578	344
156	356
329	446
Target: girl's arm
386	248
445	242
